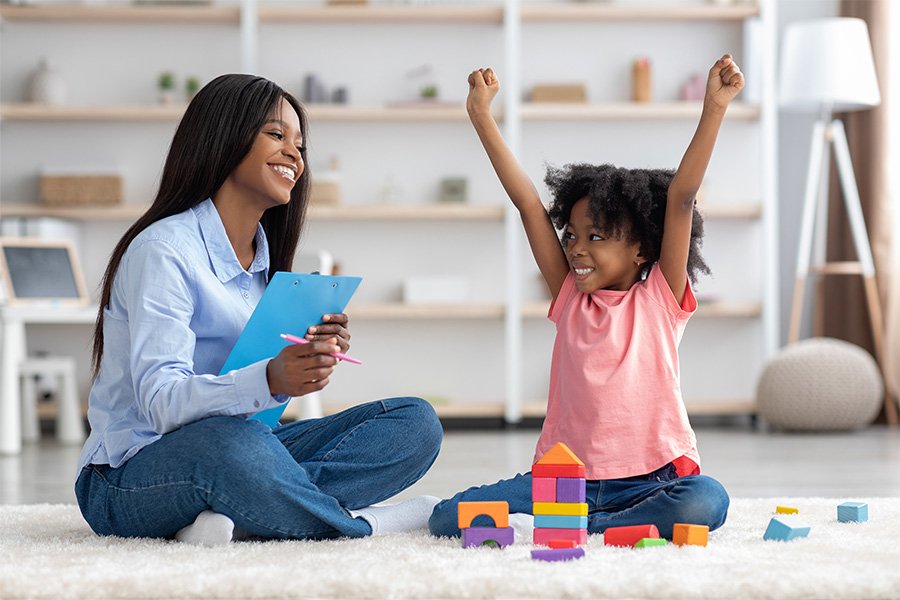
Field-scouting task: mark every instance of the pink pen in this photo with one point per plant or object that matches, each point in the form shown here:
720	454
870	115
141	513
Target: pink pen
339	355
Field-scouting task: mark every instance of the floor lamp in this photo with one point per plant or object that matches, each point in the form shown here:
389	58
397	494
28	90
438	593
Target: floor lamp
827	67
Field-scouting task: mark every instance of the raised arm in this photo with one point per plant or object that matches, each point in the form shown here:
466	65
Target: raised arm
724	83
551	260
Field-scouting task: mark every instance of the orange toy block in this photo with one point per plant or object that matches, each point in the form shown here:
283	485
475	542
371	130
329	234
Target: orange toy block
629	536
498	511
685	534
559	454
569	471
562	543
543	537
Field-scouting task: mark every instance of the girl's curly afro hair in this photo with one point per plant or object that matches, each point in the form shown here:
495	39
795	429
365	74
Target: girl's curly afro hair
623	202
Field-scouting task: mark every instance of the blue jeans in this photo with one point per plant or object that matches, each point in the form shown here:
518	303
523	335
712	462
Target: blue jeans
661	498
294	482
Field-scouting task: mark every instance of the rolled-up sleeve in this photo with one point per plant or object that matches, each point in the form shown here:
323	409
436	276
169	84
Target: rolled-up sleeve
160	301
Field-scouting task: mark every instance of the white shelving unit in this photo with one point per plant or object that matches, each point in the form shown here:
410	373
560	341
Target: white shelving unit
486	357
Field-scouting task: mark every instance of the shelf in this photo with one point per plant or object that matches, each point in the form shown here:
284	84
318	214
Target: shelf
400	311
123	13
434	13
360	212
749	211
540	111
623	12
538	310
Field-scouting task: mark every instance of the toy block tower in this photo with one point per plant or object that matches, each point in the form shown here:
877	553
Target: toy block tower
498	536
558	490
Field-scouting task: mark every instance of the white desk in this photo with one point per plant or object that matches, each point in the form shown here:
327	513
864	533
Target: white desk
12	322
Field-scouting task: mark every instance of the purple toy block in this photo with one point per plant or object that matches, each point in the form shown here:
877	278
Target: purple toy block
473	537
555	554
543	489
570	489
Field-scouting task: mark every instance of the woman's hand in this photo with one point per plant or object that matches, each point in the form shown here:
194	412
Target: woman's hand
300	369
724	83
483	86
333	326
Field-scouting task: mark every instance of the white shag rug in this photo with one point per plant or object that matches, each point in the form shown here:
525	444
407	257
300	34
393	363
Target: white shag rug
47	551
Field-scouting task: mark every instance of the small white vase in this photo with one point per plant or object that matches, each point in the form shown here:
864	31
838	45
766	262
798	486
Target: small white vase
46	85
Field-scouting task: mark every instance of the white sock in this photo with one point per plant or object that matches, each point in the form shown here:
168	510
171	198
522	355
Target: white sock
408	515
523	526
208	529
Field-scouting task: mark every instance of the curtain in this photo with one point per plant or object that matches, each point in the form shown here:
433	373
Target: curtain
844	312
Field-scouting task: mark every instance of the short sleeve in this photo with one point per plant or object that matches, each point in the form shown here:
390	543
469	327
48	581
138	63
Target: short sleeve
659	291
566	292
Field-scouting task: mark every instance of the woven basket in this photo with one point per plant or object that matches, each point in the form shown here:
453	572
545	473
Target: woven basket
80	190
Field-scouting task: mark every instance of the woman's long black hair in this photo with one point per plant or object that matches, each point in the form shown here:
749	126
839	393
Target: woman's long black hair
215	134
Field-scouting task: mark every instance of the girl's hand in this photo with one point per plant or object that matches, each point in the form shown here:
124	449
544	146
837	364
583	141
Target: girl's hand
335	326
483	86
724	83
300	369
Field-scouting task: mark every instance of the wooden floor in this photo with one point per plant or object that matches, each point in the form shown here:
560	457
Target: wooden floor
748	462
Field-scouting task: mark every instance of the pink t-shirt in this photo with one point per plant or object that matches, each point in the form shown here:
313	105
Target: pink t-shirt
615	395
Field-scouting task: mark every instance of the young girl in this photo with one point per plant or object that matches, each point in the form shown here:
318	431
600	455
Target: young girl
621	299
171	451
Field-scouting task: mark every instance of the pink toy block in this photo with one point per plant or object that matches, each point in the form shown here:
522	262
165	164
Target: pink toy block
556	554
570	489
629	536
498	537
543	489
543	537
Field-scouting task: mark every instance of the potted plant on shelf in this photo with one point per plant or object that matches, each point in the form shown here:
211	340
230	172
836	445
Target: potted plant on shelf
191	87
167	87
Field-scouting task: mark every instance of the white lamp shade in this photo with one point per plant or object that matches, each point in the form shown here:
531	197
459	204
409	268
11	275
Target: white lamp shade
828	63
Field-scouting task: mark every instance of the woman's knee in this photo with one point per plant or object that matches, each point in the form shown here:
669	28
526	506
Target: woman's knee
704	501
424	429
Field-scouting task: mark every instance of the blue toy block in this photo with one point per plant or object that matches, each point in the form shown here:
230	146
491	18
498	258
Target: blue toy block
785	530
570	489
853	512
559	522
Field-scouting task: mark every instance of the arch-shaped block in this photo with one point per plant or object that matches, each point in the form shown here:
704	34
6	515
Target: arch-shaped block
498	511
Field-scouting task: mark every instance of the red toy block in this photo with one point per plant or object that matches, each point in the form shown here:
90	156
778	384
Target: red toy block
562	543
543	489
543	537
570	471
498	511
629	536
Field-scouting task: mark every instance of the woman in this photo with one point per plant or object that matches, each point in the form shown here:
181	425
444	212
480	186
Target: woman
171	451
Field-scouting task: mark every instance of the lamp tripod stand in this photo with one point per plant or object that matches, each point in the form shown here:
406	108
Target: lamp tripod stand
833	134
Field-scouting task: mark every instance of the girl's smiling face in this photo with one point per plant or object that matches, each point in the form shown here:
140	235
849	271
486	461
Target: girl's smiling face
598	261
268	173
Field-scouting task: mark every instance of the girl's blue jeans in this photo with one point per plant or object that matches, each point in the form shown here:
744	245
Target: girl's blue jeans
660	498
296	481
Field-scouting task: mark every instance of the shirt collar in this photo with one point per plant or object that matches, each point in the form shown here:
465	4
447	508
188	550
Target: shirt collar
221	254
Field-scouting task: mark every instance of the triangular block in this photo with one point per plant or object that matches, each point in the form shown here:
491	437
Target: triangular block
559	455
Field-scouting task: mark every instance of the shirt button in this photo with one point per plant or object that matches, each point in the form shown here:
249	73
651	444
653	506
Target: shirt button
245	294
256	403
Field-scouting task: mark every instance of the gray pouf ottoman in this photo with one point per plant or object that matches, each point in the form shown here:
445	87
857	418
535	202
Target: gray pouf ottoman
820	384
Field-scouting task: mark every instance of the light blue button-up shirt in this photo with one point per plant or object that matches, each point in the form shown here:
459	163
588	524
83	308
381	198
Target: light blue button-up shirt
179	302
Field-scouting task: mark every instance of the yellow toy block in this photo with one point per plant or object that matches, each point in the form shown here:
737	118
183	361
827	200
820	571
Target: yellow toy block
786	510
559	455
498	511
567	509
684	534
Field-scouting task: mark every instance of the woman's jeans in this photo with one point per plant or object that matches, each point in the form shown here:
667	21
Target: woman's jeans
661	498
296	481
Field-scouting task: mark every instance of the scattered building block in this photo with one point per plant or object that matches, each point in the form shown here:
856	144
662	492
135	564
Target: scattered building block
785	530
498	511
497	537
572	509
853	512
786	510
686	534
648	542
543	537
540	470
556	554
560	522
570	489
559	454
562	543
629	536
543	489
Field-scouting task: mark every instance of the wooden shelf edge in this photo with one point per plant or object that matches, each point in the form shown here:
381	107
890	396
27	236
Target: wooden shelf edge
623	12
438	14
123	13
404	312
539	111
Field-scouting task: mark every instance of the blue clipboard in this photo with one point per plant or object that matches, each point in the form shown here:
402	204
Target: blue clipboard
292	303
